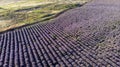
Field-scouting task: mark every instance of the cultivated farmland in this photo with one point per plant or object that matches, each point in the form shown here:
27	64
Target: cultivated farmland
86	36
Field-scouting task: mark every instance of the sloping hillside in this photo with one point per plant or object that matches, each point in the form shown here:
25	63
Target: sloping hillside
87	36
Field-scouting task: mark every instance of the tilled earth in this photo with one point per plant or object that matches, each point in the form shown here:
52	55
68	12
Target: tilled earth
88	36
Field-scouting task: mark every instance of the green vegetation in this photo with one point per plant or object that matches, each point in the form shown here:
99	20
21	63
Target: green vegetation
29	11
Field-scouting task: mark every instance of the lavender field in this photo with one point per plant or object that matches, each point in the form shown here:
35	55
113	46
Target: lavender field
87	36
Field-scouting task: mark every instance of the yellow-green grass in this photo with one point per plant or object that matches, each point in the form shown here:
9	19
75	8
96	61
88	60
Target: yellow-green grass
30	11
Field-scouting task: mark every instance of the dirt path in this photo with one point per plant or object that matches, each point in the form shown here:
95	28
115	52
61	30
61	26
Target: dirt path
48	45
